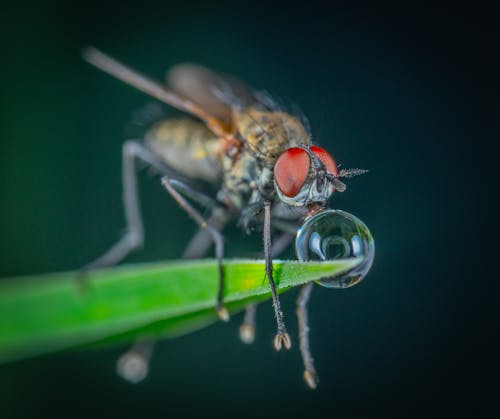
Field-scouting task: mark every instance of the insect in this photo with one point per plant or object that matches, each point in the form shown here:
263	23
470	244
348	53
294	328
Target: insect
260	158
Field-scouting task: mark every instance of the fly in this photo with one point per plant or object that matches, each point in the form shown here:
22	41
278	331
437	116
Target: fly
259	157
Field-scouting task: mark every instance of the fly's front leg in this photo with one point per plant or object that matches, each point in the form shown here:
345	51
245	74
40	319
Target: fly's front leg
133	365
310	374
282	337
216	237
247	328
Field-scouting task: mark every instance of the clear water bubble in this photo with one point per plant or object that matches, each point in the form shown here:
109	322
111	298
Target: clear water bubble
332	235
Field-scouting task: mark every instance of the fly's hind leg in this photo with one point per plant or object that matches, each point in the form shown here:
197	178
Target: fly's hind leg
134	236
310	375
133	365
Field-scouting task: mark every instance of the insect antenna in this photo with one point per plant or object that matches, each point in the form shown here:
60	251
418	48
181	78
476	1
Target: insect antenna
344	173
348	173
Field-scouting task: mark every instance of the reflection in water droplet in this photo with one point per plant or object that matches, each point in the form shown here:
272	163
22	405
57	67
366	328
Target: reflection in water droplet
335	234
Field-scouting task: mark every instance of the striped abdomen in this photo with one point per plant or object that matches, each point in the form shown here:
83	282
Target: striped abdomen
188	147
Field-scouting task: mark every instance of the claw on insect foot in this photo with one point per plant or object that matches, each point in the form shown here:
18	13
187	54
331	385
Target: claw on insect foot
82	283
282	339
223	314
311	379
247	333
133	366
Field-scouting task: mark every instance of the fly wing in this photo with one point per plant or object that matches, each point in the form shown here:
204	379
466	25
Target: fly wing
149	86
194	89
218	94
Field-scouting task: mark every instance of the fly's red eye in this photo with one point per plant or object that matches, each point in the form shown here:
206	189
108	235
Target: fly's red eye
326	158
290	171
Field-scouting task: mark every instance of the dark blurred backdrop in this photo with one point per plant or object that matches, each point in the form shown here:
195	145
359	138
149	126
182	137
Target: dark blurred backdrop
405	92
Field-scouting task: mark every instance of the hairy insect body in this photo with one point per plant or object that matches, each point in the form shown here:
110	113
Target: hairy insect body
248	174
187	146
257	157
268	134
190	148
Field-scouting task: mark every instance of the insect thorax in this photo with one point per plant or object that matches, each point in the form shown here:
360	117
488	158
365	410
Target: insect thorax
265	135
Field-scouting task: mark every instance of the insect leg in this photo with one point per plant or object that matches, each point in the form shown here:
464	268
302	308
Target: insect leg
248	214
282	337
133	365
201	242
152	88
134	236
247	328
216	237
310	374
281	243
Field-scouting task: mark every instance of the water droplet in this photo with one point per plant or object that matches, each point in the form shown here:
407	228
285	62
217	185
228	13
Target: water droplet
332	235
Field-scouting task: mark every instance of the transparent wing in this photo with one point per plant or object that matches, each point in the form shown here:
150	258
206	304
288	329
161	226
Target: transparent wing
154	89
219	94
191	88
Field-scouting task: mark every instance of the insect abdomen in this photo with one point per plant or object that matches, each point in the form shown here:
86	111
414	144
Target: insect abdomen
188	147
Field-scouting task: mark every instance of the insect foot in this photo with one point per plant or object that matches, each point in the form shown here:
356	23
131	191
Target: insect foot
247	333
133	366
223	314
82	282
282	339
311	378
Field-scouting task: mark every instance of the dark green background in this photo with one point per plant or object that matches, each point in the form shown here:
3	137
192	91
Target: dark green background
403	92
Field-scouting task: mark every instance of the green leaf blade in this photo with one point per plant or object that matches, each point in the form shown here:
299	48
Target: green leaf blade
51	312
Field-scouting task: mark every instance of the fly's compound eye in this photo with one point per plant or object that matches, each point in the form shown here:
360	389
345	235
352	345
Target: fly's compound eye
291	171
326	159
298	185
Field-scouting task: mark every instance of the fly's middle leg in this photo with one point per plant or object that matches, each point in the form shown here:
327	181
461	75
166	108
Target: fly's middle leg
247	328
215	235
310	375
133	365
